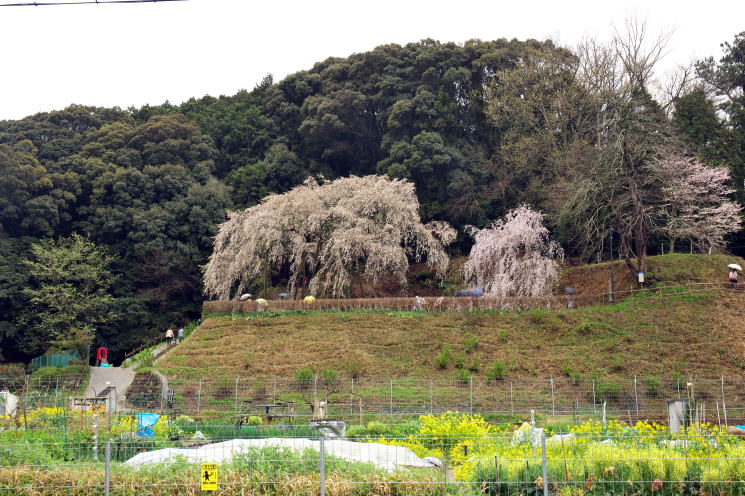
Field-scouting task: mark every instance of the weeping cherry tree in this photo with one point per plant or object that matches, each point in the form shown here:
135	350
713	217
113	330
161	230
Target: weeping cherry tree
327	232
514	256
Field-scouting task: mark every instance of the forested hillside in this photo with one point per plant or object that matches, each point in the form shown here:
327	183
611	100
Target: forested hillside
479	128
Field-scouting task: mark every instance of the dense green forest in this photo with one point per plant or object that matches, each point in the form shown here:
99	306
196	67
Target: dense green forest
479	127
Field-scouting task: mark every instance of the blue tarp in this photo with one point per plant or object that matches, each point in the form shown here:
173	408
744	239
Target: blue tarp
145	423
475	292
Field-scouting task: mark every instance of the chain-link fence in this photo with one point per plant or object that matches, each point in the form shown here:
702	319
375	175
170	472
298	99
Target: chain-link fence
290	400
613	462
719	399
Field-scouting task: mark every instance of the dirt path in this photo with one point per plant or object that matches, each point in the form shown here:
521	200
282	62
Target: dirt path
103	377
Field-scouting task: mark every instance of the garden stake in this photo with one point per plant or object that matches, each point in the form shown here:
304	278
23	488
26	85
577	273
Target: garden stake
544	463
553	401
719	419
496	467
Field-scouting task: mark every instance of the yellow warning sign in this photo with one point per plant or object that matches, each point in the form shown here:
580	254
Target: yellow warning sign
208	475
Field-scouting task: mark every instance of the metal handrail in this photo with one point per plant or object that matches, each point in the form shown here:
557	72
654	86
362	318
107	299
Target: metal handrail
148	344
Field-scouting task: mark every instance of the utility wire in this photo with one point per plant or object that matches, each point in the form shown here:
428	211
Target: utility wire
85	2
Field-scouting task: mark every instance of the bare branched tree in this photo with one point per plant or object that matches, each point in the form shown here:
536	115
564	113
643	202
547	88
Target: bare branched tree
326	233
617	190
681	81
638	53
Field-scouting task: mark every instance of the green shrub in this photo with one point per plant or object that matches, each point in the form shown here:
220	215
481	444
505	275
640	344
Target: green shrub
463	377
538	315
574	377
375	428
496	371
253	420
304	377
503	336
585	328
474	365
460	362
679	379
443	357
470	343
356	431
328	376
608	390
652	385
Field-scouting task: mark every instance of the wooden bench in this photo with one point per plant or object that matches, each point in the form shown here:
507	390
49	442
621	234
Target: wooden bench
269	412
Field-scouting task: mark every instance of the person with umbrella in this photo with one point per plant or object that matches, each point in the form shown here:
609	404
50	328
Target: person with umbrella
733	268
571	292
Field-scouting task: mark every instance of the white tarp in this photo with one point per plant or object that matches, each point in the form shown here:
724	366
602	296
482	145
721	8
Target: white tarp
381	455
8	403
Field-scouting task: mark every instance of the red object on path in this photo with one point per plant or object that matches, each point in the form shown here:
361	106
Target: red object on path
102	354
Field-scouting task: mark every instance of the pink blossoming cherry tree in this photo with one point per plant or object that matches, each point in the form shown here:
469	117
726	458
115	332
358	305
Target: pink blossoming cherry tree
514	256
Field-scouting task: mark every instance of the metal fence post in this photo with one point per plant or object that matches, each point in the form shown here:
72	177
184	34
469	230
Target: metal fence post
390	397
532	430
95	437
322	450
236	392
604	403
199	396
430	398
594	402
544	463
512	404
724	405
107	470
553	399
470	394
636	397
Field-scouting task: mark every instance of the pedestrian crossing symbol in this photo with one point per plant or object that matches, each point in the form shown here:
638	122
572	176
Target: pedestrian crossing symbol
208	475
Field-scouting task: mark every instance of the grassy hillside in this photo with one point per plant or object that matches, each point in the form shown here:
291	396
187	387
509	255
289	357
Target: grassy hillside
674	269
656	335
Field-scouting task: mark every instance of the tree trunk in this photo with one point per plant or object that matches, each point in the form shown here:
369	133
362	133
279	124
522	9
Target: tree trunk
672	246
640	240
626	253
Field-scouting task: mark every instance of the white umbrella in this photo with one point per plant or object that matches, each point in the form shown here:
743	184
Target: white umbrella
734	266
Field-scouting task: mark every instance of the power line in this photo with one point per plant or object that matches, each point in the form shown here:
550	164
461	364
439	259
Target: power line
84	2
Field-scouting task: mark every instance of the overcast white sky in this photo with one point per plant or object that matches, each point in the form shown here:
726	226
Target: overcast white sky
124	55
